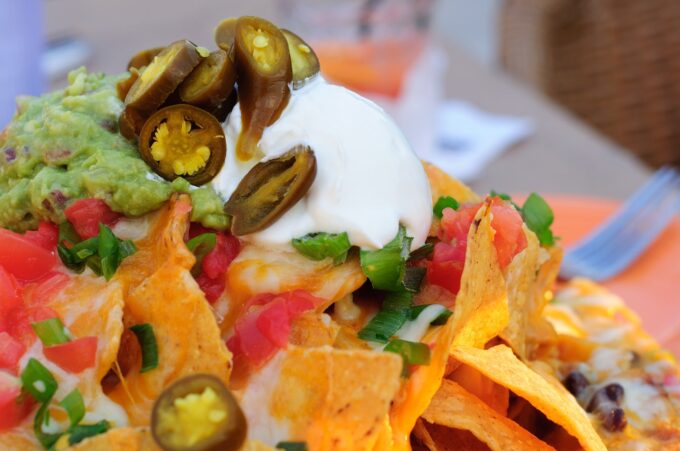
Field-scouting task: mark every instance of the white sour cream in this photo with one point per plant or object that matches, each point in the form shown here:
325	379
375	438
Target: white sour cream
368	179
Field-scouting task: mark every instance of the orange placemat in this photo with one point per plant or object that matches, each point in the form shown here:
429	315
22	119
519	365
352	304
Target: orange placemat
651	286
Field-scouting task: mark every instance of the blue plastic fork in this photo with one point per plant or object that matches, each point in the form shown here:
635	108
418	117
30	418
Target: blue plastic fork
622	238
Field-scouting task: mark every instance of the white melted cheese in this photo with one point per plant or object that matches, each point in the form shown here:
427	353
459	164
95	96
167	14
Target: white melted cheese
368	178
415	330
642	402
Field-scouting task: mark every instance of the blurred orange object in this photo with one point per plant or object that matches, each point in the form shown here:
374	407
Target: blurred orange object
649	286
370	65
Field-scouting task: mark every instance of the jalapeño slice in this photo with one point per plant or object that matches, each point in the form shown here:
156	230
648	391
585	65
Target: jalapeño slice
210	83
225	32
264	71
162	76
270	189
198	413
183	141
143	58
305	63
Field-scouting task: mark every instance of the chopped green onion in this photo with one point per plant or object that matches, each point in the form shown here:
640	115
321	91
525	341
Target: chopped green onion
103	253
38	381
201	246
82	431
440	320
318	246
538	216
423	251
292	446
74	406
442	203
147	341
51	332
389	319
413	278
42	417
412	352
385	268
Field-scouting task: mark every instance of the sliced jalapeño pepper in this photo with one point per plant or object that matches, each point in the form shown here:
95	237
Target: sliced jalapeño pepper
183	141
264	71
225	32
143	58
210	83
305	63
198	413
162	76
270	189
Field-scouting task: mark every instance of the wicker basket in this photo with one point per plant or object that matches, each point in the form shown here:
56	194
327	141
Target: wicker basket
614	63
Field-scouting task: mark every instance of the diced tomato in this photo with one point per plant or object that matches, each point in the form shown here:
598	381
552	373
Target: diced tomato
11	351
46	236
212	288
22	318
22	258
14	407
509	239
455	224
446	274
75	356
216	263
10	297
86	214
265	326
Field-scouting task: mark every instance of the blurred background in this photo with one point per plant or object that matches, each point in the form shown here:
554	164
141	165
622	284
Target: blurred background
484	88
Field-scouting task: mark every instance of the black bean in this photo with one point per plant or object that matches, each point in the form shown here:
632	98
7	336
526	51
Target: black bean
614	392
614	419
576	382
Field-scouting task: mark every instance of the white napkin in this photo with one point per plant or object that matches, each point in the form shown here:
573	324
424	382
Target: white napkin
468	138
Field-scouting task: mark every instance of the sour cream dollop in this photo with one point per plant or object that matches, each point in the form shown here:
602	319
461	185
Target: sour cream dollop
368	178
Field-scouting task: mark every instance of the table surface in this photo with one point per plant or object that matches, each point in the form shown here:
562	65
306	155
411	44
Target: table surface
563	156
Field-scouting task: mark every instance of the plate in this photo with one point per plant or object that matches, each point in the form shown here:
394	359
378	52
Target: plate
651	285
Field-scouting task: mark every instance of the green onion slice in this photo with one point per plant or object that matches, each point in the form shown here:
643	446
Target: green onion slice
38	381
292	446
51	332
440	320
201	245
147	341
82	431
390	318
318	246
74	406
538	216
386	267
412	352
423	251
42	417
413	278
442	203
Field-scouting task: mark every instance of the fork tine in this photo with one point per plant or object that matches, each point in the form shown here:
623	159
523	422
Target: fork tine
630	208
606	237
623	237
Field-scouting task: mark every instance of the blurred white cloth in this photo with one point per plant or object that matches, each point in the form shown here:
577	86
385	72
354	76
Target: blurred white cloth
21	46
468	139
454	135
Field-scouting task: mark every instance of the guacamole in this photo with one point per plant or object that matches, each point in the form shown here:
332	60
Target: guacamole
65	146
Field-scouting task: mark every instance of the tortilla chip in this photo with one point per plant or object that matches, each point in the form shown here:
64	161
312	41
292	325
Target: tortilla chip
119	439
540	336
257	270
169	299
481	310
442	184
332	399
519	277
434	437
492	394
454	407
312	329
549	396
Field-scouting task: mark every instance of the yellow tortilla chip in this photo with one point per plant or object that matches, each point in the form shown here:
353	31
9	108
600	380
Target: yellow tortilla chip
481	310
454	407
332	399
492	394
500	364
169	299
519	277
442	184
119	439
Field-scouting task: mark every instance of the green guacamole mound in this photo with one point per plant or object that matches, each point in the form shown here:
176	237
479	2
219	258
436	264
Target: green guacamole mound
65	146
